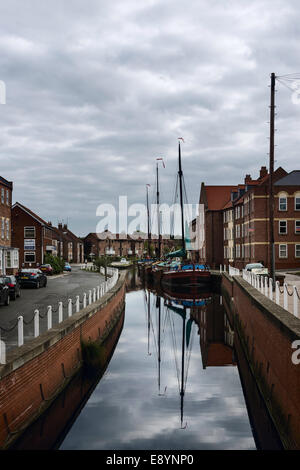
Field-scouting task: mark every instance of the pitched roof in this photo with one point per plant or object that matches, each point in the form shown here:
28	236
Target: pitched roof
31	213
218	196
291	179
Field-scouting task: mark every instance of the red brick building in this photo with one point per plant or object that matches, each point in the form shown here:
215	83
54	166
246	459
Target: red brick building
9	257
35	237
236	231
73	246
97	245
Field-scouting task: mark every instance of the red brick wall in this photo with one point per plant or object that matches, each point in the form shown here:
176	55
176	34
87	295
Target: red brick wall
269	343
20	391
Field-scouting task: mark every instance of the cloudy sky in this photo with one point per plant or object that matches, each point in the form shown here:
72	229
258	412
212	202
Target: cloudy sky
96	90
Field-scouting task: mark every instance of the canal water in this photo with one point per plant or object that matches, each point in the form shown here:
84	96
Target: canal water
172	381
144	401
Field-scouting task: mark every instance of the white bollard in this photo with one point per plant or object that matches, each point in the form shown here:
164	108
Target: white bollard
2	352
20	331
69	307
220	268
98	292
84	300
94	294
60	312
266	286
277	296
270	288
77	308
90	297
295	301
36	323
49	317
285	299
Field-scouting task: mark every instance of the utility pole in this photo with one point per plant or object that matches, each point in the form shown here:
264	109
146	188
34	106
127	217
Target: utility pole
271	189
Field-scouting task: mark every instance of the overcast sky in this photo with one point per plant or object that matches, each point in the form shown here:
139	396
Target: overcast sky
96	90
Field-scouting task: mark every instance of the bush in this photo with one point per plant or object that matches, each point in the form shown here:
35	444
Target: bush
56	263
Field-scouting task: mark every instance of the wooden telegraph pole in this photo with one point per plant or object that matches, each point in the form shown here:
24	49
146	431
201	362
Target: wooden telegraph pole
271	189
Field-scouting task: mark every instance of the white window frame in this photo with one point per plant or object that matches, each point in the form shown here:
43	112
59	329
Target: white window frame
286	203
286	227
286	250
297	221
295	206
29	227
2	196
29	253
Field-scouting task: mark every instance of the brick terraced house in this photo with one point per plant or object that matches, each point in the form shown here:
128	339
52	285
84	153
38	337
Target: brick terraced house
9	257
35	237
237	232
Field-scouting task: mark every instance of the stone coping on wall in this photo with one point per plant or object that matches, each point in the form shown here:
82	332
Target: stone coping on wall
18	356
283	319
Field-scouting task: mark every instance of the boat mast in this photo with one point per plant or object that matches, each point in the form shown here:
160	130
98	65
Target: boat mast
182	369
148	219
158	215
181	196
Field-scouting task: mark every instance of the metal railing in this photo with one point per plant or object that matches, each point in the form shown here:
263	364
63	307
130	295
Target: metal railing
264	284
72	306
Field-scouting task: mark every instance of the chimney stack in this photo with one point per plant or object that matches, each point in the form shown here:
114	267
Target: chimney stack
248	179
263	172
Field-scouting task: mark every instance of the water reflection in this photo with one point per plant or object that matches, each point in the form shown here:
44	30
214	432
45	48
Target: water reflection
156	394
177	379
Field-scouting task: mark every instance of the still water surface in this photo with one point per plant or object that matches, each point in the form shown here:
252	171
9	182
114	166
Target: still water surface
150	398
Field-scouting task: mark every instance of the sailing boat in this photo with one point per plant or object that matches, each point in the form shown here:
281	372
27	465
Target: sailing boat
175	273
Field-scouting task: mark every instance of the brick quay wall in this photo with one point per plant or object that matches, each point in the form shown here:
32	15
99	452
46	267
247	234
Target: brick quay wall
266	332
37	372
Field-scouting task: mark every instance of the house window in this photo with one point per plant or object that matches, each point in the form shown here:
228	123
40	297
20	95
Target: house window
282	227
283	203
2	227
29	257
29	232
283	251
7	229
2	195
297	203
297	226
7	197
297	251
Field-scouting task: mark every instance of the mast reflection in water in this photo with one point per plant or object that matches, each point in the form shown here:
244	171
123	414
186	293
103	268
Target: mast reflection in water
165	389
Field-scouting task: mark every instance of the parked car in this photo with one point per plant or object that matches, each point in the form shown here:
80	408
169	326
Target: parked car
14	286
47	269
4	292
67	267
257	268
32	277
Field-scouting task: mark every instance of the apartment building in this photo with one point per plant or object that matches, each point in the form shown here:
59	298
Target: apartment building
243	235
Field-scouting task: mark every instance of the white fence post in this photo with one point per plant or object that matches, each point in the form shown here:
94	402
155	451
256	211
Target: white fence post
69	307
36	323
20	331
2	352
295	299
84	300
77	308
60	312
98	292
220	268
285	299
49	317
277	298
90	297
270	288
266	286
94	294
